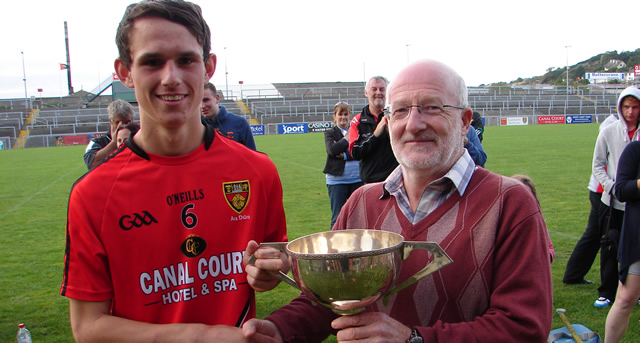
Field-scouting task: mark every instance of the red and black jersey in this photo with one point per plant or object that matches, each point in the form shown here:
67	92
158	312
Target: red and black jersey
163	237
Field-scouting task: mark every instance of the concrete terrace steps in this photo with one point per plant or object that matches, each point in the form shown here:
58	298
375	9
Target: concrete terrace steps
306	102
333	90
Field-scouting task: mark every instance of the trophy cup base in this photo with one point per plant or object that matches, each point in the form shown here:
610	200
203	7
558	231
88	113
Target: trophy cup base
347	307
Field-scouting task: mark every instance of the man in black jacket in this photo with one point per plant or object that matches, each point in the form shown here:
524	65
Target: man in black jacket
369	137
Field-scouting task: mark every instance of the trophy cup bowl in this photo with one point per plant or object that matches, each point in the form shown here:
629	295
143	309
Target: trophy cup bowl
347	270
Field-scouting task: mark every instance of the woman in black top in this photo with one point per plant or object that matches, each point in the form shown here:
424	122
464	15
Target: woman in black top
342	172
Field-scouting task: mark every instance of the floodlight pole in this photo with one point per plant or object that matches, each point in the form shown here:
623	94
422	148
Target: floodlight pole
226	75
567	47
24	78
66	42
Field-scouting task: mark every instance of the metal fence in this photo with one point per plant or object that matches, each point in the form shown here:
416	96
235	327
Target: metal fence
271	107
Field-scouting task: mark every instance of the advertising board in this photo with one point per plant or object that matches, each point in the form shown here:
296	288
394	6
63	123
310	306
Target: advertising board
257	130
319	126
289	129
579	119
509	121
74	140
550	119
604	76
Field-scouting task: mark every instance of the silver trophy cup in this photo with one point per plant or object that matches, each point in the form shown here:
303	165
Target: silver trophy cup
347	270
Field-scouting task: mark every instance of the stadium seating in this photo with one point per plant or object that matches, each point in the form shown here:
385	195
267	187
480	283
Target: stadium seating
303	102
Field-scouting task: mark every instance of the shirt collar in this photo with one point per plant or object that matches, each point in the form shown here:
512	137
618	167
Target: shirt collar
435	193
460	174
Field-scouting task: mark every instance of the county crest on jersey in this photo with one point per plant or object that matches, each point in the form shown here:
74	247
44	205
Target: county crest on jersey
237	194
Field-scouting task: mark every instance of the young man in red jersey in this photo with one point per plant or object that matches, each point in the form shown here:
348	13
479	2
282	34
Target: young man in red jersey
154	250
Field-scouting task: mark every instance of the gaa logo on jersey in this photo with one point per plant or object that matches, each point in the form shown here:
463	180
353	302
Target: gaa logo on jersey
237	194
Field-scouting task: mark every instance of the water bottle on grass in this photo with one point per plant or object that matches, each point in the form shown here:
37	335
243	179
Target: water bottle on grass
24	336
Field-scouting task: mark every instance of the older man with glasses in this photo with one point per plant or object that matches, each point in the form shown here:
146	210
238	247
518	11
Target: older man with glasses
496	289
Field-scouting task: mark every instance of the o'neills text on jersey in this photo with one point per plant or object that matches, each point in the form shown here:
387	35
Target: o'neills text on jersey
182	197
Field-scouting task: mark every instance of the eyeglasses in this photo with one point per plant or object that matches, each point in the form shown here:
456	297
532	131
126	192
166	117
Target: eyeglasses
400	112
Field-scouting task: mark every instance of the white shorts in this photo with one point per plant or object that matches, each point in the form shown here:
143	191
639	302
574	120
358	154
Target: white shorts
634	268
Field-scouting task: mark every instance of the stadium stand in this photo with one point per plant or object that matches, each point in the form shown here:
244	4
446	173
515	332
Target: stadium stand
71	117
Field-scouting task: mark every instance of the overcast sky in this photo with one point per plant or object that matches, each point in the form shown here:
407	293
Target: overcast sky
312	41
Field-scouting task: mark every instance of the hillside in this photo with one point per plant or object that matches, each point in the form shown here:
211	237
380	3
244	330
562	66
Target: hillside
595	64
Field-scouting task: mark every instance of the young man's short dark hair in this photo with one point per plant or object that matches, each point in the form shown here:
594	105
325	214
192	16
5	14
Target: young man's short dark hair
184	13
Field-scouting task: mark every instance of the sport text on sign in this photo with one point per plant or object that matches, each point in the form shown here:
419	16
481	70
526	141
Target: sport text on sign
287	129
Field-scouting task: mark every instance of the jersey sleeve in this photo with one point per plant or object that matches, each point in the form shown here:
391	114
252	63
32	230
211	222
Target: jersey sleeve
600	160
276	229
86	267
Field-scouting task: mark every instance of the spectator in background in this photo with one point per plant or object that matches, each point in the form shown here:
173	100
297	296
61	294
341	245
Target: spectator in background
496	289
342	171
627	189
126	132
226	123
120	113
369	137
609	146
587	247
155	236
474	147
478	125
526	179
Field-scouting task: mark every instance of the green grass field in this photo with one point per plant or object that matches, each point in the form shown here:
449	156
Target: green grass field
35	186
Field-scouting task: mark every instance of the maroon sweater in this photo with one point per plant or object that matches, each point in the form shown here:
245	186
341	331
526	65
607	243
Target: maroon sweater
498	288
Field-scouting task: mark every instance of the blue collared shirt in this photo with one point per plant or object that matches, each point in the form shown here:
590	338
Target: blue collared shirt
457	178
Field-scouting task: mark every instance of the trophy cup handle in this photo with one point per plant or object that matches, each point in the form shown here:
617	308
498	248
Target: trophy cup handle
440	259
280	275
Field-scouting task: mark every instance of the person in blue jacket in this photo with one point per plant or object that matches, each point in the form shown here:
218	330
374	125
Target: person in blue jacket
474	147
226	123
